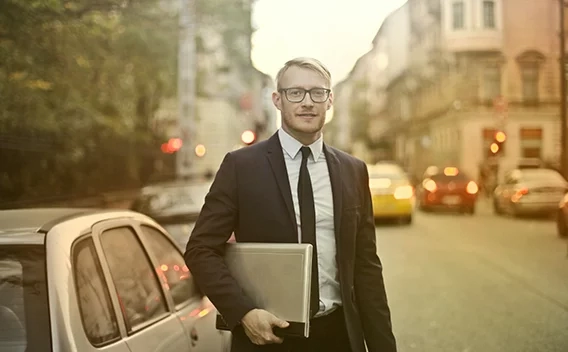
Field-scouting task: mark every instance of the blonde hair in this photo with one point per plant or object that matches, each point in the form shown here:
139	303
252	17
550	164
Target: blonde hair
304	62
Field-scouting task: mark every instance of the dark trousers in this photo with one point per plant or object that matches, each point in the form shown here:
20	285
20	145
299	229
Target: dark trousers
327	333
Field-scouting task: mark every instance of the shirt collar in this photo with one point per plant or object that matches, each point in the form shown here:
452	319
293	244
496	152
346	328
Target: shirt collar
292	146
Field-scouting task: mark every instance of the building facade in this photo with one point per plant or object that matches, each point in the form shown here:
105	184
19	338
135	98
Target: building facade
232	96
475	68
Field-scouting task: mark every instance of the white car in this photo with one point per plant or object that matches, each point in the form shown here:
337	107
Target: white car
530	191
172	202
93	280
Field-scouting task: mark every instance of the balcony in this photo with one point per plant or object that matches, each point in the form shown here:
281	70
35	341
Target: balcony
473	40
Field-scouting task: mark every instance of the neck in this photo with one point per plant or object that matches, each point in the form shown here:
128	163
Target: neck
302	137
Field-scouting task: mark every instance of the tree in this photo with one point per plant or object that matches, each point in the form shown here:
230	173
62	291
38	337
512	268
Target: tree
80	81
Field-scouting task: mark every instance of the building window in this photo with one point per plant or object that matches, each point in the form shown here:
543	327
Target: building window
531	142
458	18
529	64
530	75
491	82
489	14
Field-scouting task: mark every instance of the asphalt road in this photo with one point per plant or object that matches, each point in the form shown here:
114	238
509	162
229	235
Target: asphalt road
477	283
482	283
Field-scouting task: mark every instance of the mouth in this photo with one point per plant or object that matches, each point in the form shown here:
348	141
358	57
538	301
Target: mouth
307	115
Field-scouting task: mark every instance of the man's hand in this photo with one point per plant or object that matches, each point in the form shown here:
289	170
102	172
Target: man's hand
258	325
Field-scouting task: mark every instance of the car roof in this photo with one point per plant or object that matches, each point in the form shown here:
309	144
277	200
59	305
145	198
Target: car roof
30	226
20	237
386	168
34	220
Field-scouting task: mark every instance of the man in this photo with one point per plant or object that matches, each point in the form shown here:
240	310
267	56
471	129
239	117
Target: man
295	188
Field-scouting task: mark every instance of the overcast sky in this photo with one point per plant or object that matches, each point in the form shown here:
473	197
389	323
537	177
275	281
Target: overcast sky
337	32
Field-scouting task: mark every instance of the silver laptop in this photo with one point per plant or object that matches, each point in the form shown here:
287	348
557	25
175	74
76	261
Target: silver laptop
277	277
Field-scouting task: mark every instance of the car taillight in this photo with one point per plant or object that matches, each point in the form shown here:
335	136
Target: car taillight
519	194
403	192
472	188
429	185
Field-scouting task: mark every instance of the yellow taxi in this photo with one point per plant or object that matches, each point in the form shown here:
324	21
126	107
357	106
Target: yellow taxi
392	192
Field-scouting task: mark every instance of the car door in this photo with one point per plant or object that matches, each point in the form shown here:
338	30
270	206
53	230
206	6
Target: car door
147	316
194	311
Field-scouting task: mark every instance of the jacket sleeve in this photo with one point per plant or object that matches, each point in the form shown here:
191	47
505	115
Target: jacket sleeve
369	284
206	246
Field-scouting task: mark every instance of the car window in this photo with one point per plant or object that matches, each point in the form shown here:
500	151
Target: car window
441	178
390	176
97	314
141	298
390	172
543	175
24	313
171	266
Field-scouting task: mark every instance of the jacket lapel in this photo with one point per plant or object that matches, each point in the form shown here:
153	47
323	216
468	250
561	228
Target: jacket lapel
276	158
336	187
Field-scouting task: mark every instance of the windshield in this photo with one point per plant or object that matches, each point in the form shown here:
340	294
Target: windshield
442	178
392	172
24	314
390	176
542	175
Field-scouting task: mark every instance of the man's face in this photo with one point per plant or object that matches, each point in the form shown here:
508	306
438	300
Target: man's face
305	117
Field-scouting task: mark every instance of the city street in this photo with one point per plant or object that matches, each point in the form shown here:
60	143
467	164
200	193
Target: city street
476	283
482	283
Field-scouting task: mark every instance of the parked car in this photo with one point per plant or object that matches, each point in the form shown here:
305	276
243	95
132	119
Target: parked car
529	191
93	280
172	202
392	192
447	188
562	217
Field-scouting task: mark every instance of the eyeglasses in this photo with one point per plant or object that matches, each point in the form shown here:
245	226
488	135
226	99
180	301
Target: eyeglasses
296	95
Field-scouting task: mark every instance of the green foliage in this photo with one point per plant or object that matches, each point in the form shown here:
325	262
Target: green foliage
79	81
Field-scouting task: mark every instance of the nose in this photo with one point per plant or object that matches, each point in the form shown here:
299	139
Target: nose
307	100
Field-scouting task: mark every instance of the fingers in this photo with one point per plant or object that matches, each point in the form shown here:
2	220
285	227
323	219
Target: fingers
263	336
279	323
258	326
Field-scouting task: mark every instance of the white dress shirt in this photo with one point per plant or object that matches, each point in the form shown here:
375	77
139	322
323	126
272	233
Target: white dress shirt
330	296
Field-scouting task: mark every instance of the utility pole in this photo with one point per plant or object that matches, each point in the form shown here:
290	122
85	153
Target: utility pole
187	68
563	127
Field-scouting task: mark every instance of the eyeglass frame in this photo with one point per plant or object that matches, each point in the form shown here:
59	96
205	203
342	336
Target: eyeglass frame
306	91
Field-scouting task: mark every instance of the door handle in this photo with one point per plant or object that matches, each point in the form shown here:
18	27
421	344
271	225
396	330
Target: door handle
194	337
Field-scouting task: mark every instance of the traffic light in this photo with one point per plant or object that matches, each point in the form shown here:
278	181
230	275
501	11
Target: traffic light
497	147
248	137
172	146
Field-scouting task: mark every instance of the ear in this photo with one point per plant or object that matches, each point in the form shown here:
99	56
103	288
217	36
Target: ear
277	100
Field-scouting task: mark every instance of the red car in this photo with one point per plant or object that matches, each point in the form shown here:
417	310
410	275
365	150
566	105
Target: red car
448	188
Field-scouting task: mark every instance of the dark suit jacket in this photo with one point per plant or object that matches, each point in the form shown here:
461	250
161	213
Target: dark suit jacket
251	196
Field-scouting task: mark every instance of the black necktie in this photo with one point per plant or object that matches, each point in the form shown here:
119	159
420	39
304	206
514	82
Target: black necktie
308	224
